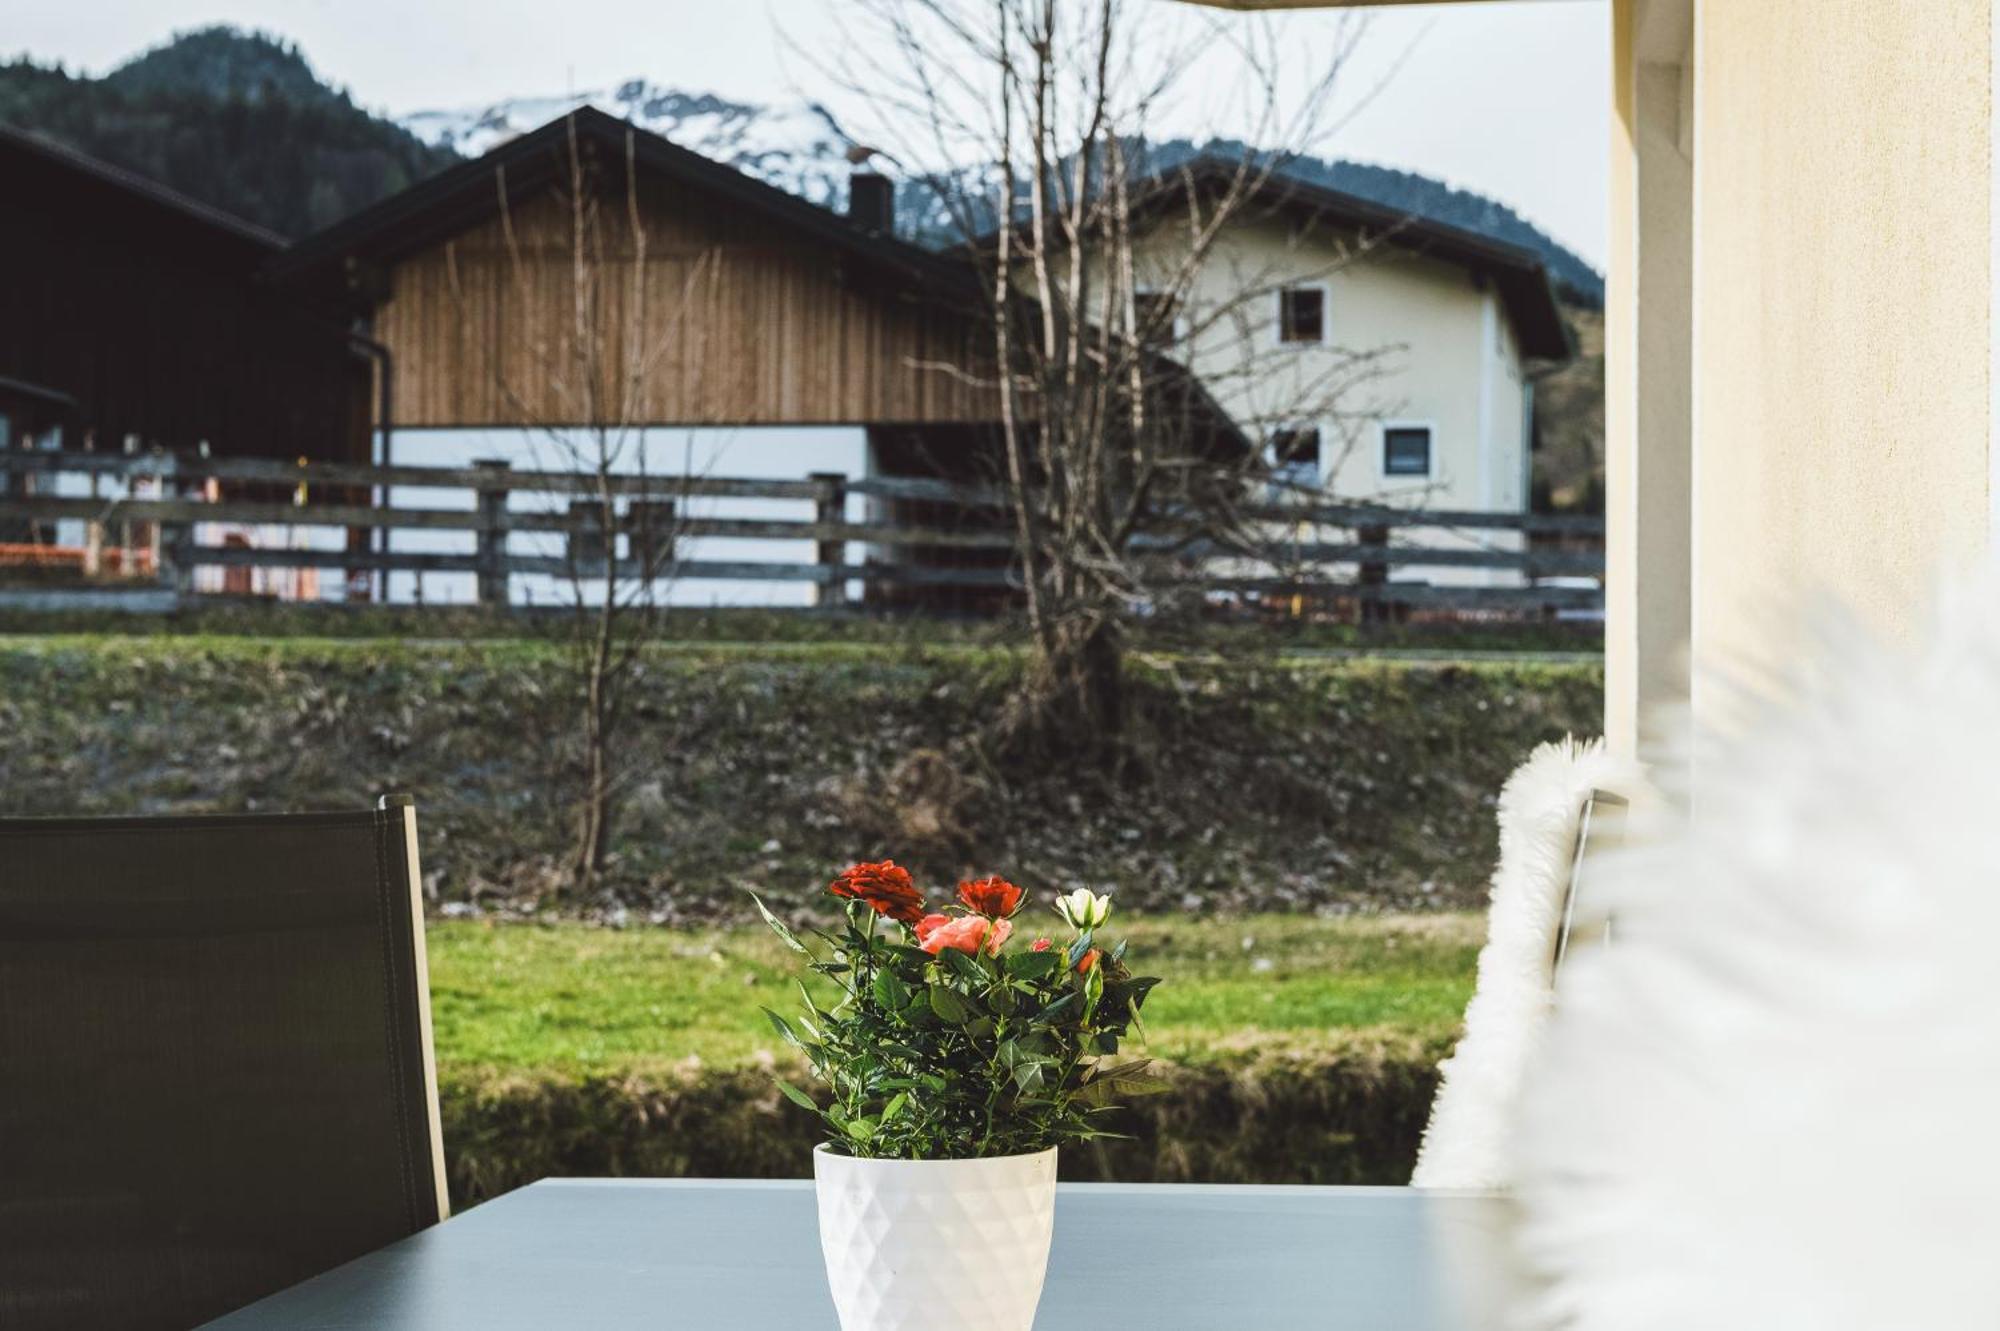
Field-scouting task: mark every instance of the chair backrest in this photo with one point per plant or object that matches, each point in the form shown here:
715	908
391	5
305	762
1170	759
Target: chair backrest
1600	827
216	1075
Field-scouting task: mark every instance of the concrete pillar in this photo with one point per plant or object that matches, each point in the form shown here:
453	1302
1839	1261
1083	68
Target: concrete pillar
1649	333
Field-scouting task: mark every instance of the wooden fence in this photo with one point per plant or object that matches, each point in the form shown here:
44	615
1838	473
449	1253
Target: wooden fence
336	495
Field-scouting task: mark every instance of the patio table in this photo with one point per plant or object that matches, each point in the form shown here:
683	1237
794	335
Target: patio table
672	1254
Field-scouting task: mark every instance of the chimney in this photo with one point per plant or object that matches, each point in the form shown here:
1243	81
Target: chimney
871	201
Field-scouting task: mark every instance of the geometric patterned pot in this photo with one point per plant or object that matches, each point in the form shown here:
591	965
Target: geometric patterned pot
925	1245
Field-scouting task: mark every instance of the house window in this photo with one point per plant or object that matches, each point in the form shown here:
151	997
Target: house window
1295	455
1155	318
1302	314
1406	450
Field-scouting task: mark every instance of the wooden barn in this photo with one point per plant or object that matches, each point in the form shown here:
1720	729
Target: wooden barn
768	310
591	274
583	280
132	316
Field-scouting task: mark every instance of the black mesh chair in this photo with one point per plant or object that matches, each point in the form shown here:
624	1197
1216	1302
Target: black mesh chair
216	1075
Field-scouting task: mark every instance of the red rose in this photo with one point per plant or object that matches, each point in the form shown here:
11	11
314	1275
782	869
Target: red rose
967	933
993	897
1089	960
1040	945
929	925
884	886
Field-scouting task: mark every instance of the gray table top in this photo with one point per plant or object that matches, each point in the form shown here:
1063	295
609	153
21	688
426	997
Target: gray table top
673	1254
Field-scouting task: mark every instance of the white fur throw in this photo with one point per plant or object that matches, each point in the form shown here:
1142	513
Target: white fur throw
1465	1145
1773	1103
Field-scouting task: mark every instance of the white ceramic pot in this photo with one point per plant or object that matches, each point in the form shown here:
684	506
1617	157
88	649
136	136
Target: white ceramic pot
923	1245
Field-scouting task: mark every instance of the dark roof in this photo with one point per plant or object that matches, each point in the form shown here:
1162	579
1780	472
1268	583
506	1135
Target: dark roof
464	195
28	157
1518	273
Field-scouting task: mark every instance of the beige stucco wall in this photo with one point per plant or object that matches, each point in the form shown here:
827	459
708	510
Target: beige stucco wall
1840	359
1425	322
1409	340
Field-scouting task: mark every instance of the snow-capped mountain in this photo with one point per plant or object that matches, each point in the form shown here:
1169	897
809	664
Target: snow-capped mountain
798	146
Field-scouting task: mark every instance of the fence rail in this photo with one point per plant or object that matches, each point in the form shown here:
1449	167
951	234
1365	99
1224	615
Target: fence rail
353	497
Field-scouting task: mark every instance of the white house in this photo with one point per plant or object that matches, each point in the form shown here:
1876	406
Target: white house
1378	357
1802	364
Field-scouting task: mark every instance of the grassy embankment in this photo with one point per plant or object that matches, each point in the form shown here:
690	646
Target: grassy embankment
1317	785
1292	814
1302	1049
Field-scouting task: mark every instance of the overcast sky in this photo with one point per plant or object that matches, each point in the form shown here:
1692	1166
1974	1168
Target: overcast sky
1508	99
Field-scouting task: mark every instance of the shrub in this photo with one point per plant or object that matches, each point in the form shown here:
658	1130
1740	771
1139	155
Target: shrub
1343	1114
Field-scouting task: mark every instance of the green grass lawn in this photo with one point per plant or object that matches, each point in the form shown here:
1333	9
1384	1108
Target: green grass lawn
571	998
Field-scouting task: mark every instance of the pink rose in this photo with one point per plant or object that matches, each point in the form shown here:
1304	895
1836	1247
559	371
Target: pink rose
967	933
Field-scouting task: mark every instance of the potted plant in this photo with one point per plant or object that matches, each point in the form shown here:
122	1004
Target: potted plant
959	1058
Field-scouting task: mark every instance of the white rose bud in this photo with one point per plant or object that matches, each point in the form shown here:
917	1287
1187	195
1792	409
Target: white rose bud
1083	909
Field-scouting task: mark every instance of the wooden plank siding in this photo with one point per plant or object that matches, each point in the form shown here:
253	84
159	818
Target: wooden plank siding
751	325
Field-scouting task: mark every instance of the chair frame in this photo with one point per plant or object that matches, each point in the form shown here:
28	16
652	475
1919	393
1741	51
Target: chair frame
420	966
1614	809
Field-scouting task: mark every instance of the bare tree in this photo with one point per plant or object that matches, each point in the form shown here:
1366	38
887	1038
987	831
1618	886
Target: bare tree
1136	396
610	315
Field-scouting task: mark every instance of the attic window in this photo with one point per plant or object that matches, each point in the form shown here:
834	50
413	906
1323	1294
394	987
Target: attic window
1302	314
1406	450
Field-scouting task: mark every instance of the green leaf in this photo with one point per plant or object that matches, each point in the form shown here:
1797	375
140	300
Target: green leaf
948	1004
1100	1094
894	1107
1034	965
964	966
796	1096
1079	949
1057	1010
890	991
782	1027
785	935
